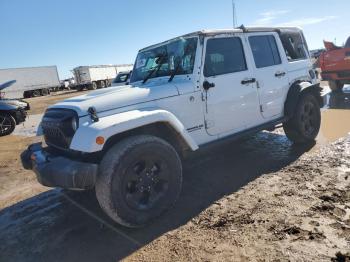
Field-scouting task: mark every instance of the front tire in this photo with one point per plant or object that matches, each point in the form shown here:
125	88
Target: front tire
139	179
305	124
7	124
335	85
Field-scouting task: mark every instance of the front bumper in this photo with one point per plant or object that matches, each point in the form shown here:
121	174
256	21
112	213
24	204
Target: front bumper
58	171
343	75
21	116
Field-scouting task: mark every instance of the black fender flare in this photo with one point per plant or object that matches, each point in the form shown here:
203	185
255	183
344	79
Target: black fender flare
296	91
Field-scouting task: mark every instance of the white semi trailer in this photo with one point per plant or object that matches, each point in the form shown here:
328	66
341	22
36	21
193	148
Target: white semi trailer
30	81
98	76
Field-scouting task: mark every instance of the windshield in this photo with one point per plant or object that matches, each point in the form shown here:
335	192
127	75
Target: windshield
149	60
121	78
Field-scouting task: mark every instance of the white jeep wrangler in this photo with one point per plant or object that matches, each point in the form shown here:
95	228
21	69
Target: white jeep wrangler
127	142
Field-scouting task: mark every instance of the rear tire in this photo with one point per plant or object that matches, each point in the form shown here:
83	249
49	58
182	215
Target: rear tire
7	124
102	84
139	179
44	92
93	86
305	124
335	85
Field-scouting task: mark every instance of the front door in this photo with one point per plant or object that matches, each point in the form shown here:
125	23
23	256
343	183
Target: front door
232	102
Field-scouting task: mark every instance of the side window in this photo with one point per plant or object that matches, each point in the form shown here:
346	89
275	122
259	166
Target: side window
223	56
265	50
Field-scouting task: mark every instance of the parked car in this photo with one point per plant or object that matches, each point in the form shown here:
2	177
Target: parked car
30	81
12	112
187	93
335	65
122	78
98	76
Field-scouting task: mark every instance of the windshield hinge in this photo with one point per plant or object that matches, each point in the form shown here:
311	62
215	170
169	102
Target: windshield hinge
93	114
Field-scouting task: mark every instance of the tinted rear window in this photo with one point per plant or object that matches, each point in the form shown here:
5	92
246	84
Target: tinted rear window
265	50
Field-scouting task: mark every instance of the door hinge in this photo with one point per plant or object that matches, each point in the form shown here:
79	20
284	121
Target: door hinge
208	123
261	109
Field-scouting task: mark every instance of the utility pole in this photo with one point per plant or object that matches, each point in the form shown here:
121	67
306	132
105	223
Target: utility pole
234	13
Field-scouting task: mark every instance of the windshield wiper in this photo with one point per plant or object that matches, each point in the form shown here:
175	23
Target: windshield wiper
162	60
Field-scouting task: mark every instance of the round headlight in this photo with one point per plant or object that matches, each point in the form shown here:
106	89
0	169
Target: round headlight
74	124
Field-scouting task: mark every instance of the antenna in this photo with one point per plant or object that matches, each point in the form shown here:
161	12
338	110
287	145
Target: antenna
234	13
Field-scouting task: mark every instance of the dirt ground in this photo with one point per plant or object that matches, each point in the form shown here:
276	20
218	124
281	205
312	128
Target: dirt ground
261	199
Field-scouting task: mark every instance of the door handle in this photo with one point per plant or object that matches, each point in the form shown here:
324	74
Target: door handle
207	85
248	81
280	74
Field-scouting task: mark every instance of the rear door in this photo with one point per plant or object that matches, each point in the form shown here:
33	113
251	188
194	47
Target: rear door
270	72
232	102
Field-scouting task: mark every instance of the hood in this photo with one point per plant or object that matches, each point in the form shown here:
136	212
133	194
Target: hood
7	84
118	97
12	104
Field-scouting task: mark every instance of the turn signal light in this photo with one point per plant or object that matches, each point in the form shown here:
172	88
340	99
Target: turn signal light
100	140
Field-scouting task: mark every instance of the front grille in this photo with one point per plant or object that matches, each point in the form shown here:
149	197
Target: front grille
57	128
54	136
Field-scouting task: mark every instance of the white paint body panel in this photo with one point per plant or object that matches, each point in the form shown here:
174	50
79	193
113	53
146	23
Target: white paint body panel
123	122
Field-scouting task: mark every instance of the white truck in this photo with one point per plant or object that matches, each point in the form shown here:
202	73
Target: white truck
196	90
98	76
30	81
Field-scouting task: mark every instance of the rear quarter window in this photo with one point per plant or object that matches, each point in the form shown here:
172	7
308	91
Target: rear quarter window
294	46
